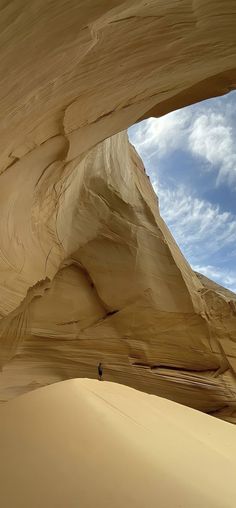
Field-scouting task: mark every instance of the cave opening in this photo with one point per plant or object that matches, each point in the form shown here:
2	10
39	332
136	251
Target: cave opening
190	157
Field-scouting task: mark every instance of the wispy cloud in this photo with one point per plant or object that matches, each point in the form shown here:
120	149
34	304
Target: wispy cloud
207	131
200	228
161	136
202	231
205	232
224	277
211	137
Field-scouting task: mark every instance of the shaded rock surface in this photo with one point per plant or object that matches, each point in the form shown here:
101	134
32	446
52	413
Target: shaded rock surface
88	269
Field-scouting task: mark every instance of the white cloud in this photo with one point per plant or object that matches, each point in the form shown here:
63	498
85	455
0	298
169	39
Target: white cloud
162	135
224	277
196	221
201	230
211	137
206	131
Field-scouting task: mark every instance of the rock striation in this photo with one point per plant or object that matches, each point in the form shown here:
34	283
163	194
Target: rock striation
88	269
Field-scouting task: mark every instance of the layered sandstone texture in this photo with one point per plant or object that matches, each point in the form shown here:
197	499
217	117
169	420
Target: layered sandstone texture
85	443
89	272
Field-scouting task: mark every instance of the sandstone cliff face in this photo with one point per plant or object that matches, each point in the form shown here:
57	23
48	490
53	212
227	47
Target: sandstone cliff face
88	270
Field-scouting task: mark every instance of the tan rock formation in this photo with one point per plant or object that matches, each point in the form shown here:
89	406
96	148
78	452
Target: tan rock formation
88	270
85	443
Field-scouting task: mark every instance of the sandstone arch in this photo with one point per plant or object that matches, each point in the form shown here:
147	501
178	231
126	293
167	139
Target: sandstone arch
88	269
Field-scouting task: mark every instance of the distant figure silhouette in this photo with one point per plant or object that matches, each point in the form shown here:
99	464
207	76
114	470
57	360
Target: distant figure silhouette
100	371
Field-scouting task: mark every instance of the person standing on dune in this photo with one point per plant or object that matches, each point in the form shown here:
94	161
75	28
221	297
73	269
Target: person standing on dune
100	371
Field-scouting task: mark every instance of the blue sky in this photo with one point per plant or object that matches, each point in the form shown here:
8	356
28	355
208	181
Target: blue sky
190	156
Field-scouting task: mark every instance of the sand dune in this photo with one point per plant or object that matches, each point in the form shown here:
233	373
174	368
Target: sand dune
82	443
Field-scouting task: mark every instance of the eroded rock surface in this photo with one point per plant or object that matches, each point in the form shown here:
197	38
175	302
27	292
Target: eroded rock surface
88	270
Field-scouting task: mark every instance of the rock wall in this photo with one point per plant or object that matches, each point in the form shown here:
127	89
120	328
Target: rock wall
88	270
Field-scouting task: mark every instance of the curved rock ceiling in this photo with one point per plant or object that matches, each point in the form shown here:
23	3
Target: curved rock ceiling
88	269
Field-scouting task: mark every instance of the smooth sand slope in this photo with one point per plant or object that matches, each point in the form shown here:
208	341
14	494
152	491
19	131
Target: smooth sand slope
85	444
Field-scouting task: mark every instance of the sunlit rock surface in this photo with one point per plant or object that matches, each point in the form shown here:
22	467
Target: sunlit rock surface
88	270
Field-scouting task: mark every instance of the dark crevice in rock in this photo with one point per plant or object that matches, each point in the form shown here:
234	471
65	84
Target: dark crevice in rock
171	368
110	313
